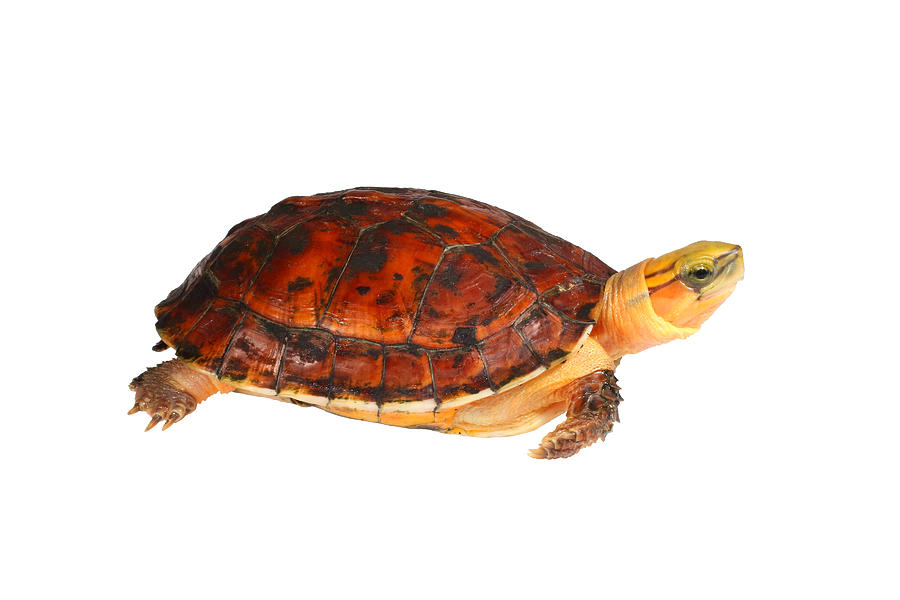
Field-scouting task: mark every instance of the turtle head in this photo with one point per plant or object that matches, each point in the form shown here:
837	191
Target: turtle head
666	298
686	286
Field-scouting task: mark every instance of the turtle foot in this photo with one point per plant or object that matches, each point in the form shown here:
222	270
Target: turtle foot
570	437
171	391
590	417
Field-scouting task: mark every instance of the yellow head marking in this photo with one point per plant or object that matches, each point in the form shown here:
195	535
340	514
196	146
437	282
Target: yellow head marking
686	286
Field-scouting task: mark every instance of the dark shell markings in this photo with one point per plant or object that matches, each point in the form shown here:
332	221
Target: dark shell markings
378	302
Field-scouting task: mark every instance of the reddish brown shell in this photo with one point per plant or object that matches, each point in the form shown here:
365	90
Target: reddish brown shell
383	296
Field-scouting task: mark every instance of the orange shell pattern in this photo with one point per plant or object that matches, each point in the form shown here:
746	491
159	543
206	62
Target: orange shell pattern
385	296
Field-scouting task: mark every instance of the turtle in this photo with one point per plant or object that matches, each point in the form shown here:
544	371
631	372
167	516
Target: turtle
422	309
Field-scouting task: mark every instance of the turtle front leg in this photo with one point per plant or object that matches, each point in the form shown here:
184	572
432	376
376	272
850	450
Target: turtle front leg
171	391
593	409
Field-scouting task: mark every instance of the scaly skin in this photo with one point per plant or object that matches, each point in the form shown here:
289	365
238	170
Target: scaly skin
590	416
171	391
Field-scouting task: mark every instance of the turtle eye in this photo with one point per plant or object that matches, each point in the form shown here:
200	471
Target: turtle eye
699	274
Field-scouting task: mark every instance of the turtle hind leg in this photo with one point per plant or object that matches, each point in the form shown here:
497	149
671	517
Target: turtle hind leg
592	411
171	391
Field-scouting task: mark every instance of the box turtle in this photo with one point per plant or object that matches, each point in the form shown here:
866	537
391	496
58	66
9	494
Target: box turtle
423	309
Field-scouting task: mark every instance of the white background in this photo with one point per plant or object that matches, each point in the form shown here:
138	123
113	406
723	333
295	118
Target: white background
757	459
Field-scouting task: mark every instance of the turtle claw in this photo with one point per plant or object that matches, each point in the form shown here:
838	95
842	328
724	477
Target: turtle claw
173	418
164	392
539	453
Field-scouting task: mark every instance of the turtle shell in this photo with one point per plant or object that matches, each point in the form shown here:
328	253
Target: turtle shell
374	301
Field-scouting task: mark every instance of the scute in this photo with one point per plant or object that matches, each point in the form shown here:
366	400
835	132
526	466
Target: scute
293	285
472	295
407	375
358	370
536	263
207	340
456	223
254	354
550	336
508	358
307	366
384	278
459	374
383	304
234	268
